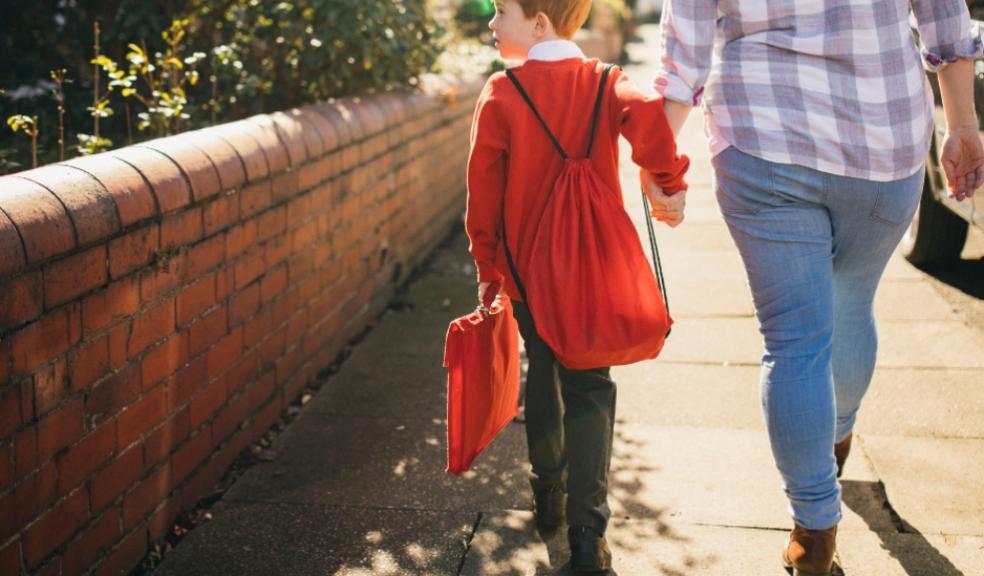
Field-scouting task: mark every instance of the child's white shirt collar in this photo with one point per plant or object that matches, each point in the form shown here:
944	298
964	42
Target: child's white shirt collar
551	50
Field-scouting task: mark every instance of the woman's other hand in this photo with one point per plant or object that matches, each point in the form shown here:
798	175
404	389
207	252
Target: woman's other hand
962	157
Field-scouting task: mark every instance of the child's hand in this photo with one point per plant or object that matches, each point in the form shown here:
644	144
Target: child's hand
488	292
665	208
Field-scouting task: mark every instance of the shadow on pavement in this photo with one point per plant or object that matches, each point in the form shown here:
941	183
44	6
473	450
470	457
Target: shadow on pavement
909	547
964	275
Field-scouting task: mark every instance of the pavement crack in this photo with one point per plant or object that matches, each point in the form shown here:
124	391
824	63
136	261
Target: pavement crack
468	541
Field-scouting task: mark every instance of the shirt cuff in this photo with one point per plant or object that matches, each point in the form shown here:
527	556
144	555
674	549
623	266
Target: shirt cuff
487	272
672	87
936	60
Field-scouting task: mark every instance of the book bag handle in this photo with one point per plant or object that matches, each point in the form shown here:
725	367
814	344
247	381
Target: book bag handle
657	263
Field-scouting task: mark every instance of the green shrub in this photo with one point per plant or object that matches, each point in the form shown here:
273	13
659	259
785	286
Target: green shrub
212	61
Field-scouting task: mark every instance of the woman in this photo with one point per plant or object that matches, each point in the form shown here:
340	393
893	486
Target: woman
819	119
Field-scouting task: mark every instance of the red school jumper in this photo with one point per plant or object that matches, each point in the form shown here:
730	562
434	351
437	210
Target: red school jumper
512	156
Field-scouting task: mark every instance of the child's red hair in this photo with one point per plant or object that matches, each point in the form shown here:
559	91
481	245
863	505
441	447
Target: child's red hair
567	16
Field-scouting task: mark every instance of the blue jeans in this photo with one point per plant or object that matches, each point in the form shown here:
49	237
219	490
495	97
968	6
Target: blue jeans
814	247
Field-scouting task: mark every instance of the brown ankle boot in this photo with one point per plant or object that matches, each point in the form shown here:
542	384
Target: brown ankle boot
841	450
810	552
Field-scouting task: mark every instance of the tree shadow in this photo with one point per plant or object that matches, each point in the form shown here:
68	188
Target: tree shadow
964	275
916	555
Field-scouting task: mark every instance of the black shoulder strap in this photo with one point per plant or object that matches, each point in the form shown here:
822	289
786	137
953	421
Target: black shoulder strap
543	123
597	107
536	113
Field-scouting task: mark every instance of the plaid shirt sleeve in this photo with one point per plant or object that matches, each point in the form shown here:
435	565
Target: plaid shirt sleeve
688	28
946	32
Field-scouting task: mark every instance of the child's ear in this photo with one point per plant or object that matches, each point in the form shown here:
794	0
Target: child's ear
543	25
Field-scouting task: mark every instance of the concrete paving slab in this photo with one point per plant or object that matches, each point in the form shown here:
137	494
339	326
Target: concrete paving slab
688	395
892	554
934	403
720	477
506	543
929	344
418	388
899	269
935	485
718	341
260	539
385	463
898	300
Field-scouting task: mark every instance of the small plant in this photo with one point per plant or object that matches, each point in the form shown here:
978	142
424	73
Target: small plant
59	77
94	143
29	126
167	77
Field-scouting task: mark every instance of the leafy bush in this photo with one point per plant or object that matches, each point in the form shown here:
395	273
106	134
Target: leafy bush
215	60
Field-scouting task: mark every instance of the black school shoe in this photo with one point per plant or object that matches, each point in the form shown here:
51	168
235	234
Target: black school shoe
548	509
589	551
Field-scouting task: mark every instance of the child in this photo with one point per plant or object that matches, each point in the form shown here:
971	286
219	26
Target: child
570	414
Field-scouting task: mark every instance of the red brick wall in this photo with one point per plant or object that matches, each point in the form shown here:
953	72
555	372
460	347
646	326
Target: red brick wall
160	305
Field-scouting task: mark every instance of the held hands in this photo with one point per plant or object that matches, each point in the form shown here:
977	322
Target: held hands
665	208
962	157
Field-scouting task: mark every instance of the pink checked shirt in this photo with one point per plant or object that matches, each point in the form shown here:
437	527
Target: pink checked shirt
834	85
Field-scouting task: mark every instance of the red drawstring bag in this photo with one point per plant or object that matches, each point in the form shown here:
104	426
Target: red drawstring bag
591	292
481	353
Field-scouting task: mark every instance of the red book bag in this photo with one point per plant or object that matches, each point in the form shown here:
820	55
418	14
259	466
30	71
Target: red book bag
481	353
593	297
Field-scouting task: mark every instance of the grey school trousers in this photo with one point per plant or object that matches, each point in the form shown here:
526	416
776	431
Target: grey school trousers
570	420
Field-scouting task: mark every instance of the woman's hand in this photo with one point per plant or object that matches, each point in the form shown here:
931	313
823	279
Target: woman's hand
666	209
962	157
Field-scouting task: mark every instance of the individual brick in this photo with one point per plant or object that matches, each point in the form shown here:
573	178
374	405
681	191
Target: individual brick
146	496
181	228
113	394
221	212
70	277
164	360
59	430
44	227
308	131
99	536
89	204
194	163
55	527
230	167
117	301
169	185
261	129
131	193
133	251
286	133
223	355
50	386
151	326
114	479
205	256
121	560
12	257
40	341
342	117
161	442
192	454
195	299
22	299
141	417
84	458
249	150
